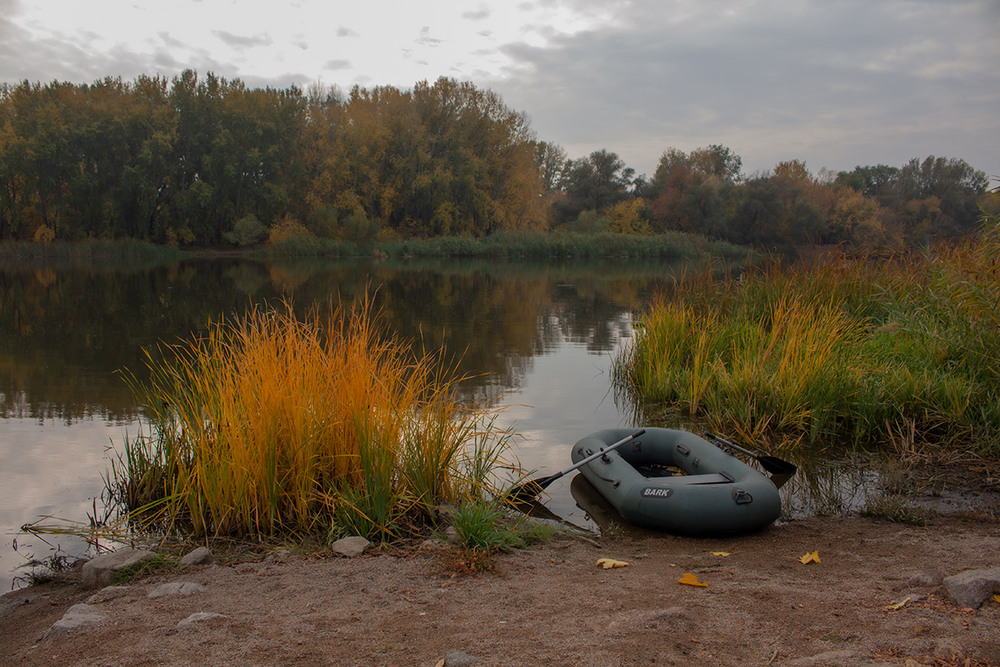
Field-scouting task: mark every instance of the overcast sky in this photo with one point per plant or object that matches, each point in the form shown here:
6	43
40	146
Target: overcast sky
833	83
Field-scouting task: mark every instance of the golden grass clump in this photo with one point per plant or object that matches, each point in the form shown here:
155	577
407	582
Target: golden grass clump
843	348
272	425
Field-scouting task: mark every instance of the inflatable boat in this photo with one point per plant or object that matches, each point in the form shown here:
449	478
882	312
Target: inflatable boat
716	494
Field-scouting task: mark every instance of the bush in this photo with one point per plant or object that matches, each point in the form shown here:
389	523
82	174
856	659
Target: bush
247	231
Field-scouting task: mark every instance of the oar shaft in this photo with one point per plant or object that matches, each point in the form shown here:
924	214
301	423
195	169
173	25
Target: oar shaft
730	444
601	452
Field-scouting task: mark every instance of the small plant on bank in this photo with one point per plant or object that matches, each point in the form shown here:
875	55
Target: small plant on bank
897	509
157	563
56	567
485	529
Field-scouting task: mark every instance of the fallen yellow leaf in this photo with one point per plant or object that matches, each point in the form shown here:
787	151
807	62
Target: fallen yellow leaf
608	563
996	597
690	580
810	558
721	554
899	605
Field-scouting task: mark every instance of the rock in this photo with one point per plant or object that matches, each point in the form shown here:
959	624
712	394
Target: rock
432	544
973	587
350	546
100	572
921	580
108	593
277	557
77	616
459	659
176	588
200	556
201	618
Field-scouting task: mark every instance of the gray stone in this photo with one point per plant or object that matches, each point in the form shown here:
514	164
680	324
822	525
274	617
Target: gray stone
278	557
973	587
201	618
176	588
77	616
350	546
459	659
432	544
108	593
200	556
100	572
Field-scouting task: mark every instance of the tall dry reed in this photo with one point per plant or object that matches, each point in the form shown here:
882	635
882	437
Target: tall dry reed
273	425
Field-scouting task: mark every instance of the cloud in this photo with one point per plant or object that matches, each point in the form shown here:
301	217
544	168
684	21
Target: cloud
241	41
425	38
337	64
841	83
480	14
346	32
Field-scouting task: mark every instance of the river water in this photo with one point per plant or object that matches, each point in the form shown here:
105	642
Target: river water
538	339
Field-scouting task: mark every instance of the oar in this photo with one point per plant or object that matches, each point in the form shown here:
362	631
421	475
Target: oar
777	467
531	488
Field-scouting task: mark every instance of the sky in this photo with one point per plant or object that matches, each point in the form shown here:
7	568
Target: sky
835	84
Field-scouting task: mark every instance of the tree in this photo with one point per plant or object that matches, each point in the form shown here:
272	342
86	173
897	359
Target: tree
718	161
855	219
954	182
551	161
875	181
691	192
906	195
594	183
626	217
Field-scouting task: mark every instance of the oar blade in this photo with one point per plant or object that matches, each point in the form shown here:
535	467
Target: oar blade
777	466
530	490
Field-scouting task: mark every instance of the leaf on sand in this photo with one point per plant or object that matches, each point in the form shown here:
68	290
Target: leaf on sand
690	580
899	605
720	554
810	558
608	563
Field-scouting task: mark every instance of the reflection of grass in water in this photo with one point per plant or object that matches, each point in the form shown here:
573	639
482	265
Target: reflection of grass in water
846	349
115	255
538	245
270	425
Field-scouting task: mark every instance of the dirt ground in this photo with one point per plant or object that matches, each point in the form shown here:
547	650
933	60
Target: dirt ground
552	605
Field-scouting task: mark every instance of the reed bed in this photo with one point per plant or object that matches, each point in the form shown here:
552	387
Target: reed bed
564	245
846	349
270	425
123	253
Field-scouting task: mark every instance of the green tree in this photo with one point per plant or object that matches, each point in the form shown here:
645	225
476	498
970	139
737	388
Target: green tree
594	183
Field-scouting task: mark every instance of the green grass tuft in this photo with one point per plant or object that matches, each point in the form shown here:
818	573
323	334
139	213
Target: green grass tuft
844	348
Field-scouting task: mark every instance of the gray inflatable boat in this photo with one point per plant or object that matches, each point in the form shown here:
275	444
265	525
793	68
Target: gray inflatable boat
717	494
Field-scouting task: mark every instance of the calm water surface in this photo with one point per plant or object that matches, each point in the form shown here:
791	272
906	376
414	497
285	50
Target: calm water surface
539	338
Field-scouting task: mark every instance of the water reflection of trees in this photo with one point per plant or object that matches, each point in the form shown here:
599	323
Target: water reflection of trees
66	334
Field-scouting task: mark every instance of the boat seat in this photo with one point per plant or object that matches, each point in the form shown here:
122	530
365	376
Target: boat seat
707	478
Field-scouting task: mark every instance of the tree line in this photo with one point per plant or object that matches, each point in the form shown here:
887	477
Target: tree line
207	161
